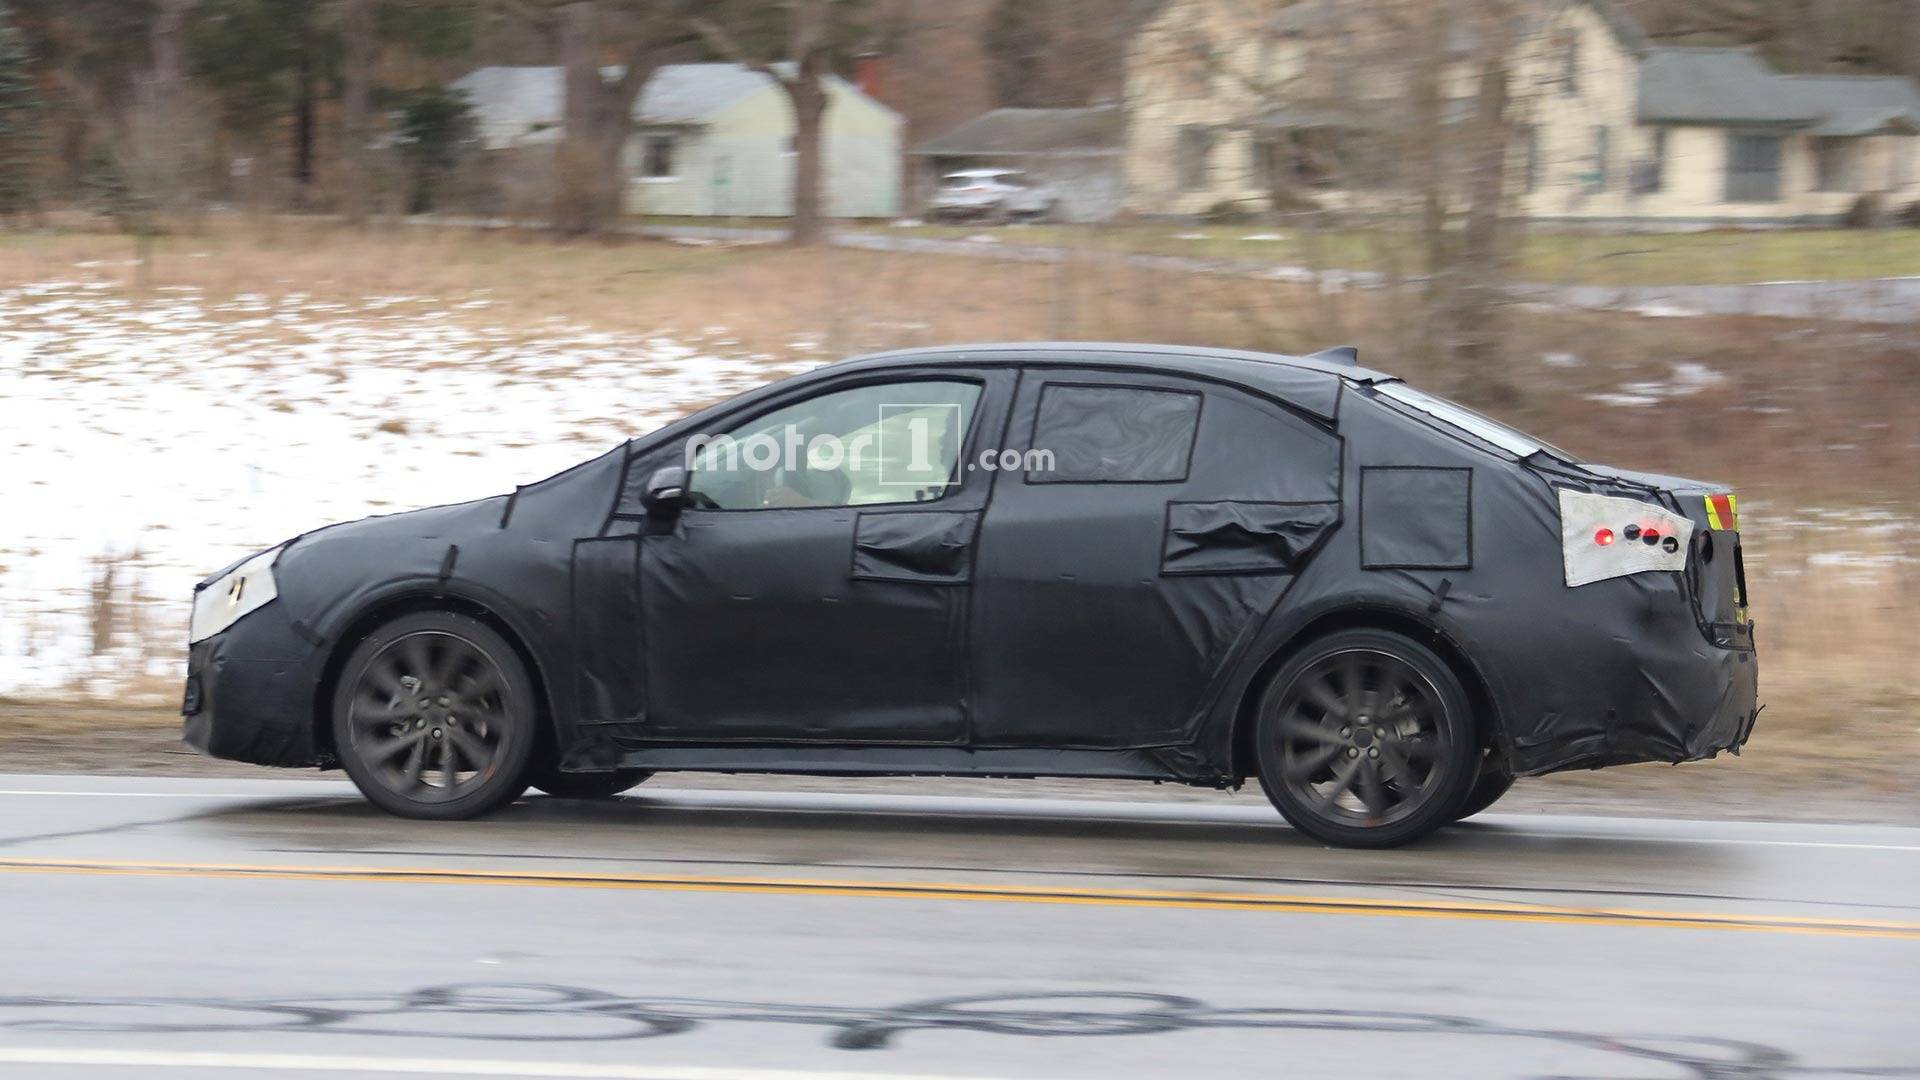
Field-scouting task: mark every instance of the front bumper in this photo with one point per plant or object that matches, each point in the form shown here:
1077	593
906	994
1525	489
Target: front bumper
251	693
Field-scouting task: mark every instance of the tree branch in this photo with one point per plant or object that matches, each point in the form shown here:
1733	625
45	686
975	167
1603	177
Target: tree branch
722	42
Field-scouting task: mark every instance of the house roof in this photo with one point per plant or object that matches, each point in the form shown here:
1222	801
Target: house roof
1020	132
1861	104
1733	86
517	105
1717	86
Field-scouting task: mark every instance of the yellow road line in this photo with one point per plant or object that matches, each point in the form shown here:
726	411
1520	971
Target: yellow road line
1496	911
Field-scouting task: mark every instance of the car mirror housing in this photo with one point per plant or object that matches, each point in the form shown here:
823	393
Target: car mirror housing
666	491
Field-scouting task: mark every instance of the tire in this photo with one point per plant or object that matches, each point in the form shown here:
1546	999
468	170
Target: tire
1493	782
1384	782
588	785
435	718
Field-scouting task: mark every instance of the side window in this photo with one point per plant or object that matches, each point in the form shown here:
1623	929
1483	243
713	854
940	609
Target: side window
1113	435
871	445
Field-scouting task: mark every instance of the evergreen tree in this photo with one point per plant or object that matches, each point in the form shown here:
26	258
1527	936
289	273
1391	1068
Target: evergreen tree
436	127
19	120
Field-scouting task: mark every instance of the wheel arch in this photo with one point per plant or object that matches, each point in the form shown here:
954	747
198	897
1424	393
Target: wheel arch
1489	727
379	611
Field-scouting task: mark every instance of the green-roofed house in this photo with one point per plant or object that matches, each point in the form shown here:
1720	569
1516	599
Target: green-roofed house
710	139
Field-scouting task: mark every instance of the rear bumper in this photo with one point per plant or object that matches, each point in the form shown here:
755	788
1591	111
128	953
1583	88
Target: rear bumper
250	693
1670	707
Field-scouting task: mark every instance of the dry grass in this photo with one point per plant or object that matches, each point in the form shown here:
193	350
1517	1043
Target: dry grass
1720	256
1794	416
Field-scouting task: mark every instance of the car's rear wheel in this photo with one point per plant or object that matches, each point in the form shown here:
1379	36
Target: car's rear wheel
434	717
1493	782
1366	739
587	785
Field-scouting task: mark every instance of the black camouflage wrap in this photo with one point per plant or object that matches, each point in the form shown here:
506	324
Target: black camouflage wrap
1084	621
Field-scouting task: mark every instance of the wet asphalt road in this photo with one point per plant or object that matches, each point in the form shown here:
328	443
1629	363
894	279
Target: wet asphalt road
177	928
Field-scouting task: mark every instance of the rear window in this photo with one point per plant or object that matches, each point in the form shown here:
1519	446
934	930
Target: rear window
1487	430
1114	434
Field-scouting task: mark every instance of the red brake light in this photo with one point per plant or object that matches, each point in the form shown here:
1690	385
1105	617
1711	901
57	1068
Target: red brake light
1603	537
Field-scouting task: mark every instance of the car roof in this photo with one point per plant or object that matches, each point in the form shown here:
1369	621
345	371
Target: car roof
1309	383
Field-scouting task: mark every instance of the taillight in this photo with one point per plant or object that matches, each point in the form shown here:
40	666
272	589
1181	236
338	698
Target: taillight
1603	536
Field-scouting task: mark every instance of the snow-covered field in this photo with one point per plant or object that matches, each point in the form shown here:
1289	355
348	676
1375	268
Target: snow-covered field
150	441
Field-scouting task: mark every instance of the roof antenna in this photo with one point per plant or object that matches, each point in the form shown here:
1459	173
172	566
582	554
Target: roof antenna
1339	354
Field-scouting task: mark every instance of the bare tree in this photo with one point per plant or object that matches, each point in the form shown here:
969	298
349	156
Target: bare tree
156	142
1480	265
596	116
808	45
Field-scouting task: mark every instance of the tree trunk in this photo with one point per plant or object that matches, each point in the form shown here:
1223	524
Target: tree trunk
1428	133
356	61
1477	294
809	97
303	109
1908	13
164	140
164	39
586	163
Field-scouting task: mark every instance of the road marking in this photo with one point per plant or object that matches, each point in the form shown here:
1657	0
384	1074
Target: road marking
923	890
194	1059
695	799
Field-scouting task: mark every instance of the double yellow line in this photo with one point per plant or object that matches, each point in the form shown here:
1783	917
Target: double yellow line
1491	911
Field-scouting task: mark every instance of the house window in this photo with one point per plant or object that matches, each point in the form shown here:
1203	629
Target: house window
1600	161
1650	173
1753	168
656	157
1836	164
1194	147
1263	161
1570	66
1526	149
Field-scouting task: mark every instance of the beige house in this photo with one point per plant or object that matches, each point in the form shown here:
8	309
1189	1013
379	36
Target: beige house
1226	97
711	139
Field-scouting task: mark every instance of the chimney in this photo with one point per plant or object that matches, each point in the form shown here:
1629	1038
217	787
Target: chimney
870	75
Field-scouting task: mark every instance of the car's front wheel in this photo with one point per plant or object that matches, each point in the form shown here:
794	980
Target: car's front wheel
434	717
1366	739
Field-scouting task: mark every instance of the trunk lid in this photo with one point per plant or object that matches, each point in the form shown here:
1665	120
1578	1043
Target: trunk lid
1716	568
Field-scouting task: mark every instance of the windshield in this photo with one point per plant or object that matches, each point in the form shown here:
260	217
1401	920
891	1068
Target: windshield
1512	440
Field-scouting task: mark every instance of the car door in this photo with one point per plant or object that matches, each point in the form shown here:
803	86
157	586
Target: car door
1152	524
817	586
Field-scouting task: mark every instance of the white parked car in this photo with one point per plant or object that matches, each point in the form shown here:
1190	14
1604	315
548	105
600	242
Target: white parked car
992	195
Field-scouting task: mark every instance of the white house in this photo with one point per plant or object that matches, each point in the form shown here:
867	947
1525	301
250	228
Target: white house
1609	127
711	139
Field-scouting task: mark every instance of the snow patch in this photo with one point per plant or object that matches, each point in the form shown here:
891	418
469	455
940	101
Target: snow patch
149	444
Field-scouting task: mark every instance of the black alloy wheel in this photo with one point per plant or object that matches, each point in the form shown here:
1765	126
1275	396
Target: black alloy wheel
1365	739
434	717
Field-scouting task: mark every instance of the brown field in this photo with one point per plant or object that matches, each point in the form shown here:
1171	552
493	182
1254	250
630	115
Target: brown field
1816	425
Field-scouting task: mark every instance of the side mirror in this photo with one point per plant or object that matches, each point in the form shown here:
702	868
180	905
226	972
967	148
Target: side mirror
666	491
